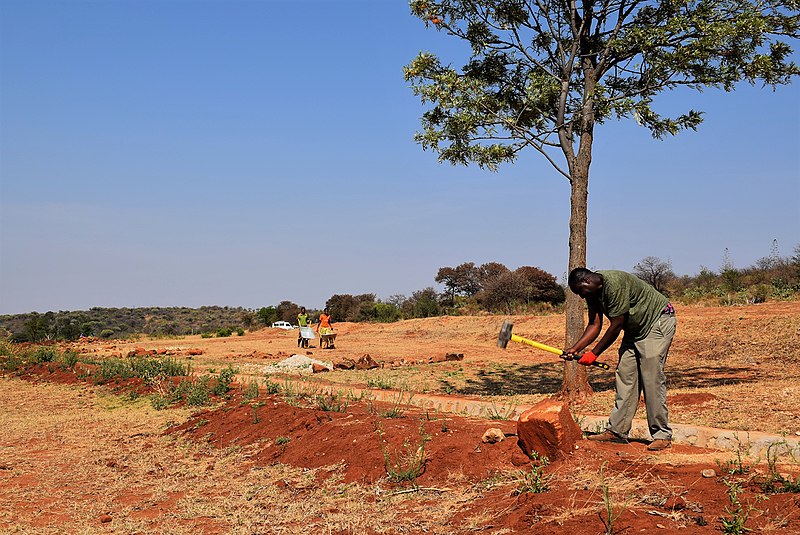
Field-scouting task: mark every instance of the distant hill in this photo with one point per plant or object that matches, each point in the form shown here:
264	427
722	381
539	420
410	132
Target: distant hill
123	322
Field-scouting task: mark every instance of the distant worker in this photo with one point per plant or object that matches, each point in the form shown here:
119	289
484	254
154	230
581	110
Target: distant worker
324	327
648	319
302	321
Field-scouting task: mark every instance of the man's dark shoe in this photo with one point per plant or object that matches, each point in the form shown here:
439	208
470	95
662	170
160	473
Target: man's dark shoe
607	436
659	444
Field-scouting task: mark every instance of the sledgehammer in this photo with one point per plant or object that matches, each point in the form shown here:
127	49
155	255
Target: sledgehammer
505	336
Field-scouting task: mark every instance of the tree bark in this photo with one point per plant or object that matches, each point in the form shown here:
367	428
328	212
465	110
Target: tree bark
575	385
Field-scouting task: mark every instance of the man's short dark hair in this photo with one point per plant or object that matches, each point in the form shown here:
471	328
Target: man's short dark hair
577	275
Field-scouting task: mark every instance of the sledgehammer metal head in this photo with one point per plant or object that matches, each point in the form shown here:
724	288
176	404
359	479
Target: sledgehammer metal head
505	334
505	337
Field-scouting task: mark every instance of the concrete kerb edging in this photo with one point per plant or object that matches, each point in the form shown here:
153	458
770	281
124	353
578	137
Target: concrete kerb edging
752	443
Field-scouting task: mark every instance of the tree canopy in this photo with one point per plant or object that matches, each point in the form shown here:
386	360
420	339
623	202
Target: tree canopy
542	74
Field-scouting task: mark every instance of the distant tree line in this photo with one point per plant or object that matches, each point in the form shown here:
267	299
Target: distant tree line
467	289
772	277
124	322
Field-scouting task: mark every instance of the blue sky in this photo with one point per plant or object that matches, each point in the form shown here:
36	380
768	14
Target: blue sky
189	153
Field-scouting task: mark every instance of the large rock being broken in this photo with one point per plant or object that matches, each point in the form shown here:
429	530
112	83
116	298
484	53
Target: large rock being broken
548	430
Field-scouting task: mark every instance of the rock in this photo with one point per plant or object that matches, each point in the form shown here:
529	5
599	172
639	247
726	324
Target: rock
454	356
319	368
520	459
437	358
345	364
105	519
493	435
548	429
139	352
675	503
194	352
708	472
366	363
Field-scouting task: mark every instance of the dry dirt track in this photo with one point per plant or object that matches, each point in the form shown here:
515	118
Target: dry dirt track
76	459
743	360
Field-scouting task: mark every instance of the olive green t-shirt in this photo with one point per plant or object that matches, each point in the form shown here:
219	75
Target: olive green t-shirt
623	294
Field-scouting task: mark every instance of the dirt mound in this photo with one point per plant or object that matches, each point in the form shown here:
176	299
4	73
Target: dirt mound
360	442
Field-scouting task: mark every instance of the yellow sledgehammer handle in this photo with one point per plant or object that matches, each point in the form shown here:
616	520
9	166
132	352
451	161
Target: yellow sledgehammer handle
551	349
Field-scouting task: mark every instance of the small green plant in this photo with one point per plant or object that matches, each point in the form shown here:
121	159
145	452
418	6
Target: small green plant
736	466
224	332
535	481
397	408
445	429
223	383
612	513
250	390
271	387
735	523
206	335
200	423
410	461
282	441
239	331
503	413
774	482
255	407
332	402
380	383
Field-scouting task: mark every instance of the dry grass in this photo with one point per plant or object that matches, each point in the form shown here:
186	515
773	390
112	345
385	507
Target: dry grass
71	455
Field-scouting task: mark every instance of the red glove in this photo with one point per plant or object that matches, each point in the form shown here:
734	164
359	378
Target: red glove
587	358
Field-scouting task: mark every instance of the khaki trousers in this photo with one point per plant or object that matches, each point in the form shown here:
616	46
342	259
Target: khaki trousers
641	370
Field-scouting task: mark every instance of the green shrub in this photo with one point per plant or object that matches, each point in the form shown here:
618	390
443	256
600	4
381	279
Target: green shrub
11	362
69	360
199	392
224	380
224	332
44	354
239	331
271	387
106	333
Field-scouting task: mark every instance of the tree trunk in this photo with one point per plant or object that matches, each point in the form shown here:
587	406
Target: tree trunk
575	385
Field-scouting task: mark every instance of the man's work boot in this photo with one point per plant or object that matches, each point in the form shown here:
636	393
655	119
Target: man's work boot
659	444
607	436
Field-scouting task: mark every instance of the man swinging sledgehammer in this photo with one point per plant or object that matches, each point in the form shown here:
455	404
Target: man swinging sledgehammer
648	320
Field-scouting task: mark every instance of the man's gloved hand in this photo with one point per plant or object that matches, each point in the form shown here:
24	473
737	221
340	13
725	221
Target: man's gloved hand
587	359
